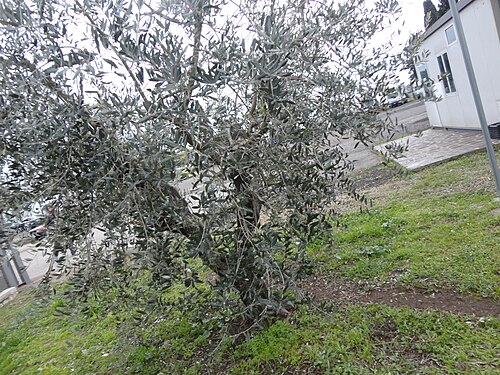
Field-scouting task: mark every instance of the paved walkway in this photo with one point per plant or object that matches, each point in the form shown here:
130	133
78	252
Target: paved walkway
430	146
411	118
434	146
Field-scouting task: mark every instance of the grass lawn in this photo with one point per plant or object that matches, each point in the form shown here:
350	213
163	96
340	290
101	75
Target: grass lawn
436	229
426	241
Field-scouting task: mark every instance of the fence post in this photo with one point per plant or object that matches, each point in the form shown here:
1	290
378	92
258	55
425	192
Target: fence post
7	271
18	262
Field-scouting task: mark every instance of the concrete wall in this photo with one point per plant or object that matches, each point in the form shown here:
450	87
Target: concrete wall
3	283
481	22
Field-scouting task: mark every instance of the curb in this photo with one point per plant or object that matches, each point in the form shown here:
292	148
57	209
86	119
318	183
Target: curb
7	295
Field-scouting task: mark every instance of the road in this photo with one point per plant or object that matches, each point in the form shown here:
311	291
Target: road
37	259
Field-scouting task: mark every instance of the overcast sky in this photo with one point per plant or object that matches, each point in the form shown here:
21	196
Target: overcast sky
413	14
411	20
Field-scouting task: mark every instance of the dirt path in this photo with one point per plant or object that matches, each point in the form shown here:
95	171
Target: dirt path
332	288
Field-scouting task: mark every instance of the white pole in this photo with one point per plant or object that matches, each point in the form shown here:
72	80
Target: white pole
475	92
18	262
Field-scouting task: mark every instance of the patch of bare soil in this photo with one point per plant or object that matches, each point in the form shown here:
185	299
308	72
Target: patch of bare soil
374	177
333	288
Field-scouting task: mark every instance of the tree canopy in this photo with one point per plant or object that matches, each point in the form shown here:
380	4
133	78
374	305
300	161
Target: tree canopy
194	136
431	14
443	7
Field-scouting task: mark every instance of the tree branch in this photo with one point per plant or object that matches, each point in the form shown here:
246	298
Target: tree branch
120	57
47	80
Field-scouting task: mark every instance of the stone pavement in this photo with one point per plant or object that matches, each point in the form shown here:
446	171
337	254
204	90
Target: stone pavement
411	118
36	261
430	146
436	145
7	295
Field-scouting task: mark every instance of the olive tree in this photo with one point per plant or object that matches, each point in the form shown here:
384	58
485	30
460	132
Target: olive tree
196	135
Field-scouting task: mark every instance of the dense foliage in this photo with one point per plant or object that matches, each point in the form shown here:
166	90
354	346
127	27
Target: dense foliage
431	14
179	137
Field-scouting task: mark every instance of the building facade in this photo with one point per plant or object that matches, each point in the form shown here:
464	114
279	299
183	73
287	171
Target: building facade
443	65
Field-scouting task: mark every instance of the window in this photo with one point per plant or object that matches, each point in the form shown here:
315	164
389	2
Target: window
446	75
422	72
450	34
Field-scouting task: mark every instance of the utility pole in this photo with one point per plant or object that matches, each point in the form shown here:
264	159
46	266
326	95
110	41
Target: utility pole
475	92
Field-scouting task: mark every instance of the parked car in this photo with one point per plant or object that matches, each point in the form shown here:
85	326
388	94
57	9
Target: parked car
30	222
396	98
35	220
419	93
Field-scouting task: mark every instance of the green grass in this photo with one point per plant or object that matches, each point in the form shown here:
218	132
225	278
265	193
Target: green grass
445	237
438	228
349	340
36	339
373	340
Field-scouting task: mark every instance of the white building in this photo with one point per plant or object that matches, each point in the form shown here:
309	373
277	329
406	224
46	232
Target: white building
444	65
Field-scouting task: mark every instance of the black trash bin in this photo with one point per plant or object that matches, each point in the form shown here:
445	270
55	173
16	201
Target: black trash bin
494	130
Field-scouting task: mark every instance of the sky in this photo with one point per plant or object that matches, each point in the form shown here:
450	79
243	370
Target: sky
410	21
412	13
